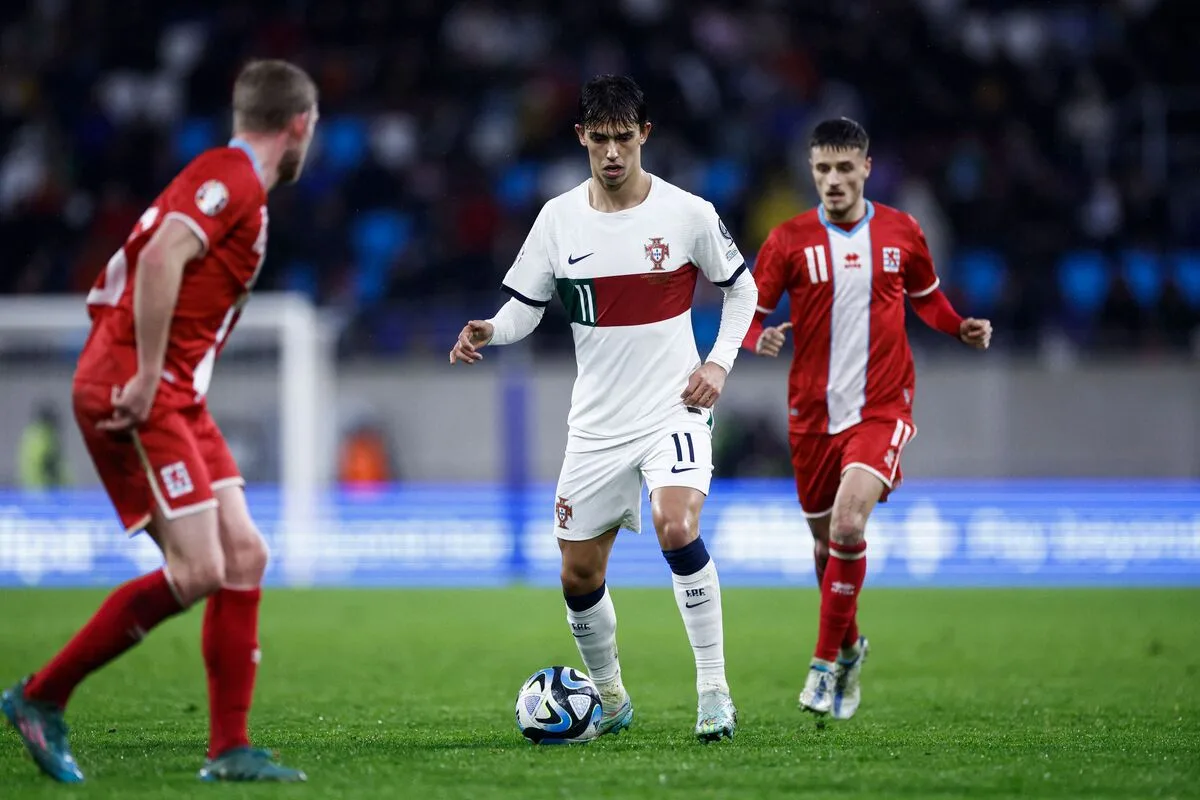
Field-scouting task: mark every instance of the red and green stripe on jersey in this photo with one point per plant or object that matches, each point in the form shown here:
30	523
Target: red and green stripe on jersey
641	298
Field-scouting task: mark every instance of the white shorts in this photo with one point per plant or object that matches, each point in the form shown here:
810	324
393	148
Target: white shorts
599	490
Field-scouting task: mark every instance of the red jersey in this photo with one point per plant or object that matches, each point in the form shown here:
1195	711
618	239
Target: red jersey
852	361
221	197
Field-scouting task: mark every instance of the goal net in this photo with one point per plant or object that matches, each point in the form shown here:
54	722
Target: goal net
272	418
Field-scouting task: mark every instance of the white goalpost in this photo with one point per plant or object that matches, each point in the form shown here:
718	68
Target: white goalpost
292	321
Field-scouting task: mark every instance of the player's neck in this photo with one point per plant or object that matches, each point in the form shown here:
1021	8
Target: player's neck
267	153
851	215
632	192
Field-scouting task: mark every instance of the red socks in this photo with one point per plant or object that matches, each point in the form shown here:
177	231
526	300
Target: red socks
843	580
820	560
230	646
123	620
231	656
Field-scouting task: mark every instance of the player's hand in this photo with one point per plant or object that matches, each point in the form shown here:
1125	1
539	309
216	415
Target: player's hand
131	403
976	332
772	339
704	386
473	338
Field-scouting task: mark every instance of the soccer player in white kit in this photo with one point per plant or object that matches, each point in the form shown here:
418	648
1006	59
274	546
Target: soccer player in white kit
623	251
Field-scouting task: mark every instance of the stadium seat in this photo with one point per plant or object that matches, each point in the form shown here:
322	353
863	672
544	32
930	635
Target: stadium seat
980	274
1083	278
377	237
706	321
1143	271
343	142
301	276
517	186
1186	271
722	181
193	137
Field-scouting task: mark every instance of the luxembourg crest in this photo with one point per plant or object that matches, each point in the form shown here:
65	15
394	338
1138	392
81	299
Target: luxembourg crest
891	259
657	251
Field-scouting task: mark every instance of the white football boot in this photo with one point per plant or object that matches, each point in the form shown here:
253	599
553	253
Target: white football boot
847	688
617	710
716	717
817	695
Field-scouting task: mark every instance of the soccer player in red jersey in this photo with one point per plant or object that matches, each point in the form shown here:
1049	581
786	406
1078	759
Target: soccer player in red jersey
161	312
846	267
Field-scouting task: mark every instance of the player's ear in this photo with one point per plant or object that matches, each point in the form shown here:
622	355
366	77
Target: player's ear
645	133
298	126
866	167
580	133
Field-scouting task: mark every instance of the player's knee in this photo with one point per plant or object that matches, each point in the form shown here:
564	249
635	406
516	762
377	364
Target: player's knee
198	577
246	557
849	529
581	577
675	531
821	552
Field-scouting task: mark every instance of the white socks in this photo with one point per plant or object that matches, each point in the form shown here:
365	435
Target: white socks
699	599
595	632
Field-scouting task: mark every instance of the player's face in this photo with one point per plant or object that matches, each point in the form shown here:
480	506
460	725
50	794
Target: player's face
840	174
615	151
300	136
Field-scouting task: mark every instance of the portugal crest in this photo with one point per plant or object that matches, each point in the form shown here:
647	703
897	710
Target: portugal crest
563	512
657	251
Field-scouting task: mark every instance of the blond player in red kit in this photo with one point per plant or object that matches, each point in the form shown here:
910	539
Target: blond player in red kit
161	311
846	267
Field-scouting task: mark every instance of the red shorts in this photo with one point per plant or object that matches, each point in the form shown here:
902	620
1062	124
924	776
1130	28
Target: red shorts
174	462
821	459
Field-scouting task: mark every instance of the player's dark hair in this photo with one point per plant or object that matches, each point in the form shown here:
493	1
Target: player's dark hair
269	93
840	134
611	100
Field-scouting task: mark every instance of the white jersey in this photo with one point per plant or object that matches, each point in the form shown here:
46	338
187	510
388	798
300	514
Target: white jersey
627	279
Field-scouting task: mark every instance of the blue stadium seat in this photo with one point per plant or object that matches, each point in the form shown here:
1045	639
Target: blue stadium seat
706	321
1143	270
1187	274
301	276
344	142
517	186
722	181
1083	278
380	233
377	237
193	137
980	274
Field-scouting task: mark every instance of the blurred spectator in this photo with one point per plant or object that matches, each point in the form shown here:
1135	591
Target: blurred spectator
750	446
364	460
40	463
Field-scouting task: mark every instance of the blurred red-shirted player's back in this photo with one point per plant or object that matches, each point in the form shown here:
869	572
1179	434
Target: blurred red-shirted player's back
161	311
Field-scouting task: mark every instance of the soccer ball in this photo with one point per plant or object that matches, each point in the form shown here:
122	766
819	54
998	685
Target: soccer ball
558	705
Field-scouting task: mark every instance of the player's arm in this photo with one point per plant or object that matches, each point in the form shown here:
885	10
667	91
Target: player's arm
156	290
770	276
515	320
722	263
530	283
923	287
155	293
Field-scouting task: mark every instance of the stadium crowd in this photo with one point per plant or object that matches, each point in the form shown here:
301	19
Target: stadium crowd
1047	149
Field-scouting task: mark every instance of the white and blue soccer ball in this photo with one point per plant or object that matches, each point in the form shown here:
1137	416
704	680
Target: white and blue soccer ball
558	705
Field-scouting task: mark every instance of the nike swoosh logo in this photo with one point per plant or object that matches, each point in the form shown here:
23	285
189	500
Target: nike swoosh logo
584	635
693	605
573	260
677	470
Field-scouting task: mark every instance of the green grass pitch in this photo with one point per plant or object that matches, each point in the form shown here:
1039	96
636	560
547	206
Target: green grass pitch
980	694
